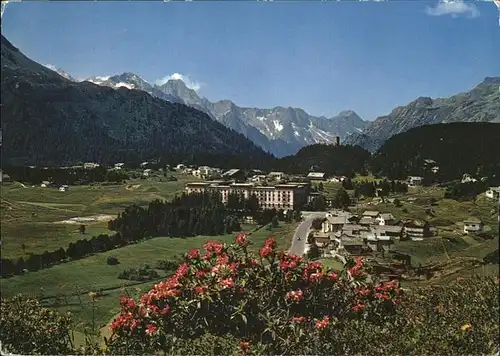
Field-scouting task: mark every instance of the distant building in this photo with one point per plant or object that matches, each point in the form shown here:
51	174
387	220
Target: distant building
90	165
385	219
493	192
371	214
119	166
144	164
316	176
415	181
279	196
276	176
333	224
180	167
473	226
63	188
147	172
259	178
416	228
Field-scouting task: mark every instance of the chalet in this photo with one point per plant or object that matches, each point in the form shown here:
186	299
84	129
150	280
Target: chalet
415	181
367	221
333	223
416	229
352	245
118	166
353	229
316	176
385	219
393	231
276	176
493	193
376	241
180	167
144	164
322	240
237	174
147	172
63	188
371	214
473	226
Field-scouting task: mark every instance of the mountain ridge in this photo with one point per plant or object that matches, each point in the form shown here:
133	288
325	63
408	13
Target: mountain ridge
48	119
279	130
480	104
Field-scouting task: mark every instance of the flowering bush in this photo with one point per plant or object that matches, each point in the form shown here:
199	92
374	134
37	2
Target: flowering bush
27	328
270	302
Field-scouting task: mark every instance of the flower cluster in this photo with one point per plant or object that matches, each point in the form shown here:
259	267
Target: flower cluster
269	248
229	279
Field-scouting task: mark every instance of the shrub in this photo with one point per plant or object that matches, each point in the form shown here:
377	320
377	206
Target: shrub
226	291
139	274
28	328
111	260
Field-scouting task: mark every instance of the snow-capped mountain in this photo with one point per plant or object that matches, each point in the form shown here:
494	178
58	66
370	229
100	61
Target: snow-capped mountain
281	131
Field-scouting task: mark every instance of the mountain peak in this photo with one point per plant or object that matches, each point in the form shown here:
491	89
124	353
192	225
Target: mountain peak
491	80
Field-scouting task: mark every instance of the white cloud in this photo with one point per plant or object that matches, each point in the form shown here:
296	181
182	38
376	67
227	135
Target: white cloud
453	8
190	83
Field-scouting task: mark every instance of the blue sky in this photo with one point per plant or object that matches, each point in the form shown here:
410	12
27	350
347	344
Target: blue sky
323	57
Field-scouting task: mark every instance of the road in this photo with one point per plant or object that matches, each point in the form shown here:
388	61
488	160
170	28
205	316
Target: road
298	246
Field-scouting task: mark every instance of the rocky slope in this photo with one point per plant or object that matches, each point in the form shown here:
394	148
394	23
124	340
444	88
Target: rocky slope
48	119
481	104
282	131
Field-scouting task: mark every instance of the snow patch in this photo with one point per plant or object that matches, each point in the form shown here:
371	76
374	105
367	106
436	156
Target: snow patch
260	118
296	133
88	219
126	85
277	125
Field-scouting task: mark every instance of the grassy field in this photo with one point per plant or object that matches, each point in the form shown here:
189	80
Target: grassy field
92	273
30	215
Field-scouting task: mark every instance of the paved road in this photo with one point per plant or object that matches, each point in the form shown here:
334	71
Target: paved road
298	247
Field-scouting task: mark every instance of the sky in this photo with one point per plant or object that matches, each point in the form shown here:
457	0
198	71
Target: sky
323	57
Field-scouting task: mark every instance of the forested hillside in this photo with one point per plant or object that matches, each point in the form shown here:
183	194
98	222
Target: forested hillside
456	149
49	120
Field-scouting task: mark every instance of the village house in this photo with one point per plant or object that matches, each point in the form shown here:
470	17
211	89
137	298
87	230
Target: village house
415	181
493	193
63	188
144	164
332	224
367	221
371	214
316	176
473	226
205	172
416	229
279	196
118	166
277	176
376	241
180	167
393	231
352	245
259	178
90	165
147	172
385	219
